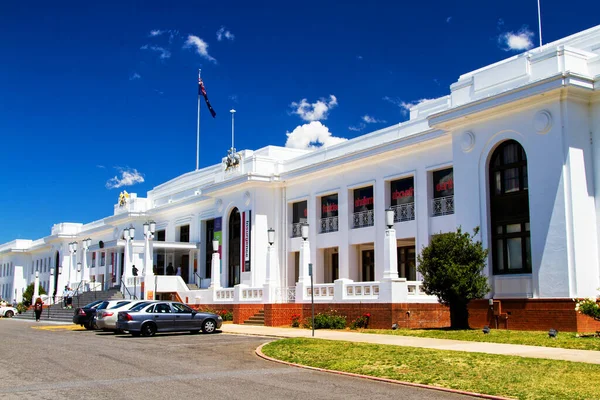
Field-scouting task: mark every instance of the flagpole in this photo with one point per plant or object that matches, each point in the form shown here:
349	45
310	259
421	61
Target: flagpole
540	22
198	126
232	111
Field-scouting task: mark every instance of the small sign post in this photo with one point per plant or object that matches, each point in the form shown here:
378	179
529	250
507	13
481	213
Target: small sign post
312	297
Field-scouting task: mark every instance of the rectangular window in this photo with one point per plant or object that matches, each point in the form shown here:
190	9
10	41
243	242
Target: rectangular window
299	212
363	199
160	236
184	233
102	259
443	183
329	206
93	259
402	191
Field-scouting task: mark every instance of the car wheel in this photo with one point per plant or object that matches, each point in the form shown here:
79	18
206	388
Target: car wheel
209	326
148	329
195	332
94	324
88	326
9	314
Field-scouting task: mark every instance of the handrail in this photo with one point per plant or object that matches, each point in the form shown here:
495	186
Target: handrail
125	286
77	292
200	278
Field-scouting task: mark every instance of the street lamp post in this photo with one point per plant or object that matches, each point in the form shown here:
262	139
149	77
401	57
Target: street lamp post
148	273
128	235
50	286
390	256
72	259
215	265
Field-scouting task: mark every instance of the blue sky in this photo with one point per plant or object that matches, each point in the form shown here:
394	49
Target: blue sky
94	95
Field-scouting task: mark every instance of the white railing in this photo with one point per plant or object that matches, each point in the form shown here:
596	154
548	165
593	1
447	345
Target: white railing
404	212
364	290
252	294
329	224
442	206
286	294
225	294
363	218
323	291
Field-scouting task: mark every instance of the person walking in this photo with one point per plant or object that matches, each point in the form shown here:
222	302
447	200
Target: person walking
37	308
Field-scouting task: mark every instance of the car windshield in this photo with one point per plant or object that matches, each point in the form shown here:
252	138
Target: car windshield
138	307
119	305
102	305
93	304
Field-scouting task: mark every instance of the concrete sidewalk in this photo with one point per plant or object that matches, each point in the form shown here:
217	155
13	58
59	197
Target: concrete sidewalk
585	356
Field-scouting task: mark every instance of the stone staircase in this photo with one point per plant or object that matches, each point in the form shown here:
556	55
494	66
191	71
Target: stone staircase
192	286
56	312
256	319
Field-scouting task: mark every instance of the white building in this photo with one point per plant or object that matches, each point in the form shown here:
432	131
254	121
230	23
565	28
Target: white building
513	149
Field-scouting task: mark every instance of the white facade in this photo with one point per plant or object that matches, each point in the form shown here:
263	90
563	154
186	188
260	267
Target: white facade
547	100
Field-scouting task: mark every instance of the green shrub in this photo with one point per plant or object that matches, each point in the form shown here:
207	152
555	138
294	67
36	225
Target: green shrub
328	320
361	322
28	294
21	308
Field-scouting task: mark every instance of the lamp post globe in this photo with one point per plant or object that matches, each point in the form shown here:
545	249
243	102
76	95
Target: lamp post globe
389	218
304	230
271	236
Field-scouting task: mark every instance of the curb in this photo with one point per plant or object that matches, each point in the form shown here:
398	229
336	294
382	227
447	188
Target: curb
259	353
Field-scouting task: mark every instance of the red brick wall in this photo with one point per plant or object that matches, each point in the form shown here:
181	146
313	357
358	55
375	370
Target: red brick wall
281	314
242	312
383	315
531	315
213	307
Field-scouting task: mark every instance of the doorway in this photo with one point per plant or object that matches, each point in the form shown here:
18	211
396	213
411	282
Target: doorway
234	243
368	265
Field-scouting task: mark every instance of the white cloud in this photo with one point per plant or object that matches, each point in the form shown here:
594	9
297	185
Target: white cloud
314	111
357	128
100	166
224	33
404	105
135	76
128	177
311	136
371	120
516	41
233	97
359	57
164	53
156	32
200	45
448	19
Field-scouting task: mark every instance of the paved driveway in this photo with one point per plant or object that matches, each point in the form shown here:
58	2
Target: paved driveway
53	363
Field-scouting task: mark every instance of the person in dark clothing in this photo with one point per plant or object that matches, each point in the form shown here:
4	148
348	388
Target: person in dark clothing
170	269
37	308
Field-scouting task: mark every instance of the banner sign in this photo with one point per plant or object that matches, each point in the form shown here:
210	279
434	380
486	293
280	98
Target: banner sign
218	235
246	231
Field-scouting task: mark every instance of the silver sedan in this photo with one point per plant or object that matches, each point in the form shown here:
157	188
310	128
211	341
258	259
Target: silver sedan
147	318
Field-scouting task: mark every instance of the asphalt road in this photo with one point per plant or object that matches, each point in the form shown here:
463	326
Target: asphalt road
66	364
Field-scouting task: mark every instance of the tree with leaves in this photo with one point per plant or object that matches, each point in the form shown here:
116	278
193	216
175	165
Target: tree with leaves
28	294
452	268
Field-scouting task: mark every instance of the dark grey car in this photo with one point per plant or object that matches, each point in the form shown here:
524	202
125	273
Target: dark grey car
166	316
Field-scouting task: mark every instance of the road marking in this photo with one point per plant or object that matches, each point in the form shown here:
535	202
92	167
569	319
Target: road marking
59	328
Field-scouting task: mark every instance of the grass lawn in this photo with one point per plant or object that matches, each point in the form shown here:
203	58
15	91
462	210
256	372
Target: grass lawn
510	376
566	340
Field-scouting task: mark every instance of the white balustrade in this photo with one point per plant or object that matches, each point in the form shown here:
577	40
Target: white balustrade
362	290
285	294
363	218
323	291
442	206
404	212
225	294
252	294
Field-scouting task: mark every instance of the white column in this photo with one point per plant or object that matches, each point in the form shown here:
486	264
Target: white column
148	269
272	278
390	255
126	263
215	265
36	287
303	276
85	275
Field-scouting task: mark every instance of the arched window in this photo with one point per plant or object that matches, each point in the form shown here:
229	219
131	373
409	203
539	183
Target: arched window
509	205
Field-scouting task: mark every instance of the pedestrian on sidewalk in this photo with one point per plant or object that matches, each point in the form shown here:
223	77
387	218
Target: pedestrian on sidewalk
37	308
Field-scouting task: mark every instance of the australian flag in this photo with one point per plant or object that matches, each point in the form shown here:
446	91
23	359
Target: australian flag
202	91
